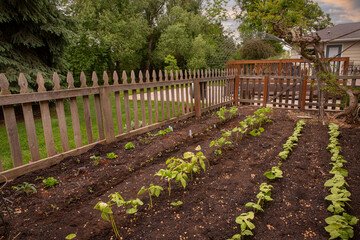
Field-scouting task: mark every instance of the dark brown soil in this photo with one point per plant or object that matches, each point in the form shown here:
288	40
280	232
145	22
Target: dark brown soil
211	202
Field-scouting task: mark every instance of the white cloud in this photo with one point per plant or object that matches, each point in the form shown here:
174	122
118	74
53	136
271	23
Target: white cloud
341	11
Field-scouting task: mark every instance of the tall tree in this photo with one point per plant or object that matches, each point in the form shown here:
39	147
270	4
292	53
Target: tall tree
33	37
295	21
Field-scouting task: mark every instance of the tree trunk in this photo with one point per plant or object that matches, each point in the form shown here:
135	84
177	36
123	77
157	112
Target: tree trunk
350	112
148	62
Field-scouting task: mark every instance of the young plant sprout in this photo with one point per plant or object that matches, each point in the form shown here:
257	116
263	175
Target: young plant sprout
26	187
152	190
50	182
129	145
111	155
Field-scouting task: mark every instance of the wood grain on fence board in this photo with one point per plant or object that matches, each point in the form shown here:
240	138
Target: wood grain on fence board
74	113
142	100
135	103
126	104
46	119
98	110
148	94
87	112
118	109
29	121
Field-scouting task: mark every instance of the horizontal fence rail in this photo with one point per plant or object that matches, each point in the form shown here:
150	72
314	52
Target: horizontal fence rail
290	91
83	117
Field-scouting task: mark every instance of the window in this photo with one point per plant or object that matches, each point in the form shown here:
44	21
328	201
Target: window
333	50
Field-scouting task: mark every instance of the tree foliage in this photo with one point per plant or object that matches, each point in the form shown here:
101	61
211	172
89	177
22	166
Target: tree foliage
33	38
257	49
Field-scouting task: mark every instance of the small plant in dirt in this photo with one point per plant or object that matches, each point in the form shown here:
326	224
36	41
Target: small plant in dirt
129	145
96	159
152	190
244	220
176	204
256	132
274	173
108	215
111	155
50	182
221	113
341	226
178	169
26	187
39	178
263	196
71	236
163	132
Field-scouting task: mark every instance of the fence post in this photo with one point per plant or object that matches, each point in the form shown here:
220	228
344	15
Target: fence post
197	97
236	90
303	92
266	87
107	114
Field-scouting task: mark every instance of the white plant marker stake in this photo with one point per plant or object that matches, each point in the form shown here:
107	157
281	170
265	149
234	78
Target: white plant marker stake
190	133
171	128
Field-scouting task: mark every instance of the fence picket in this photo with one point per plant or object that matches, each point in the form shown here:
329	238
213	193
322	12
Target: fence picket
98	111
118	104
87	112
74	113
29	121
148	92
142	101
156	98
126	104
162	97
168	110
10	124
135	103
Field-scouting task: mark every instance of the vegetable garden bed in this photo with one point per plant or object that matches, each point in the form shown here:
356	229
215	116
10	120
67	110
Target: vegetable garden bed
211	202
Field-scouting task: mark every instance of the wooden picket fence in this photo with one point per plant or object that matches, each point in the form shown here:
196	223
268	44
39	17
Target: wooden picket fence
289	91
181	95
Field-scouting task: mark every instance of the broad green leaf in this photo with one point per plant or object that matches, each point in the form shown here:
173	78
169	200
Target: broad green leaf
142	190
188	155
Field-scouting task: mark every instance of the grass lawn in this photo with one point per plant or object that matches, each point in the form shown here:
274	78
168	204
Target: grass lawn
5	153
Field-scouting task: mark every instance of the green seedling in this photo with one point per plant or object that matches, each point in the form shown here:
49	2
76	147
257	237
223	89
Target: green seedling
71	236
111	155
39	178
274	173
50	182
341	226
129	145
26	187
176	204
263	196
256	132
96	159
108	215
244	220
152	190
221	113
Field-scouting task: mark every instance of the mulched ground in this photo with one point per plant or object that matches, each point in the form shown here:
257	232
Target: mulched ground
211	202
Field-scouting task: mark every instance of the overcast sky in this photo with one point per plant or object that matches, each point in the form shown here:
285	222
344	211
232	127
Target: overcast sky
341	11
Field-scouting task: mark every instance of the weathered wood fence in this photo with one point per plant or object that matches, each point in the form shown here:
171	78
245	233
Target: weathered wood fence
171	98
288	83
289	91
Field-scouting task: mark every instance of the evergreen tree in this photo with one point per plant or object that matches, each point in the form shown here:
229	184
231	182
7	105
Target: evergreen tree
33	36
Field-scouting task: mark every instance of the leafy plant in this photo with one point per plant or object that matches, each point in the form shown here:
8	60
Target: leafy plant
70	236
256	132
263	196
50	182
152	190
96	159
176	204
129	145
111	155
274	173
244	220
108	215
26	187
163	132
341	226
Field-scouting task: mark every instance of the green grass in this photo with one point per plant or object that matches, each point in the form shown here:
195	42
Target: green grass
4	144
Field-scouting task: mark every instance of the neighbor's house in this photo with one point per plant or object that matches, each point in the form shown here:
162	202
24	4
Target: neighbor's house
339	38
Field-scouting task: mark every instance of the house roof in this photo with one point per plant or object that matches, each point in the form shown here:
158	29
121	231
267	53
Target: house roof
337	32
